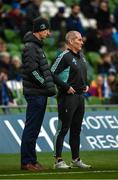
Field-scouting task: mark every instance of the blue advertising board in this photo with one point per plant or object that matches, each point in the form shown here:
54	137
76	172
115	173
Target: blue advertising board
99	132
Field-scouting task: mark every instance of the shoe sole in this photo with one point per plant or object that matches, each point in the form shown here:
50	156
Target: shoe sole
81	167
32	170
62	168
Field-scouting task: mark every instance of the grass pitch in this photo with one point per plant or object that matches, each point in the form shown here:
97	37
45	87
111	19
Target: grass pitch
104	166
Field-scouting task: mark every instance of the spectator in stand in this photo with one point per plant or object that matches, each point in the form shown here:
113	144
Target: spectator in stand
7	1
11	15
113	85
106	64
2	34
89	8
10	64
16	16
103	15
32	12
5	60
6	96
16	68
105	27
106	38
97	87
58	23
58	20
93	42
3	46
116	17
115	60
73	21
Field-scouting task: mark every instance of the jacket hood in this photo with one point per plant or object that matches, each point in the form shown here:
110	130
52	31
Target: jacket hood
29	37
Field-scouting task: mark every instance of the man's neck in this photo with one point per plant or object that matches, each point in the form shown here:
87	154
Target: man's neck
37	36
74	15
73	49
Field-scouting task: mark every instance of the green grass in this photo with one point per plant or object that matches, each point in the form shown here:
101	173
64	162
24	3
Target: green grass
104	166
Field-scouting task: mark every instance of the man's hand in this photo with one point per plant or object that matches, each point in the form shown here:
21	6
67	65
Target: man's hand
86	90
71	91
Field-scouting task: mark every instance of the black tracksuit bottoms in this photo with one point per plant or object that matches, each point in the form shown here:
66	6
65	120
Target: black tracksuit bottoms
70	114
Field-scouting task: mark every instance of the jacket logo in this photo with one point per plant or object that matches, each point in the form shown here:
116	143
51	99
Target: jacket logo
74	61
84	59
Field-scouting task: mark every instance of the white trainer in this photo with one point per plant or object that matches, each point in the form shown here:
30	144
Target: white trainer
79	163
61	165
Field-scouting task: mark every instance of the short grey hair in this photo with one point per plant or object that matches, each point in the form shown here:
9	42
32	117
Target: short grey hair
71	35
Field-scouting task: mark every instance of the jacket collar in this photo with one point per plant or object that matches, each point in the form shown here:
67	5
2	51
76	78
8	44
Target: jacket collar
29	37
75	54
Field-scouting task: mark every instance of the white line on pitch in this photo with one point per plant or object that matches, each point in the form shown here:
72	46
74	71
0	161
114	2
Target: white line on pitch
55	173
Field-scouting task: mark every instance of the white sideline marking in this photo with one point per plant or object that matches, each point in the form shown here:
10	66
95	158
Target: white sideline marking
54	173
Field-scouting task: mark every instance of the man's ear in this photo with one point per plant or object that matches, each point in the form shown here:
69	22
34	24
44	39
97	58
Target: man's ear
71	42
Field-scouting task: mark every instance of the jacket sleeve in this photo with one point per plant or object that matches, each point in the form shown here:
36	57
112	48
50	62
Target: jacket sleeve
46	72
56	69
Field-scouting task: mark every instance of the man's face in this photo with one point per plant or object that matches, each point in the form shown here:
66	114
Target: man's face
44	34
77	42
111	78
37	2
100	80
3	76
76	10
104	6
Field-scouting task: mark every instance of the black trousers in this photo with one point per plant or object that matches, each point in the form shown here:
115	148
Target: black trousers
70	113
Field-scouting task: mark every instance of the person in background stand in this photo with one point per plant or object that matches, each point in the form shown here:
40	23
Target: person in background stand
6	95
113	85
73	22
58	23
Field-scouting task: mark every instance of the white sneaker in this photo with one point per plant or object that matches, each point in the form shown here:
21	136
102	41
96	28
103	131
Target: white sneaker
79	163
61	165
